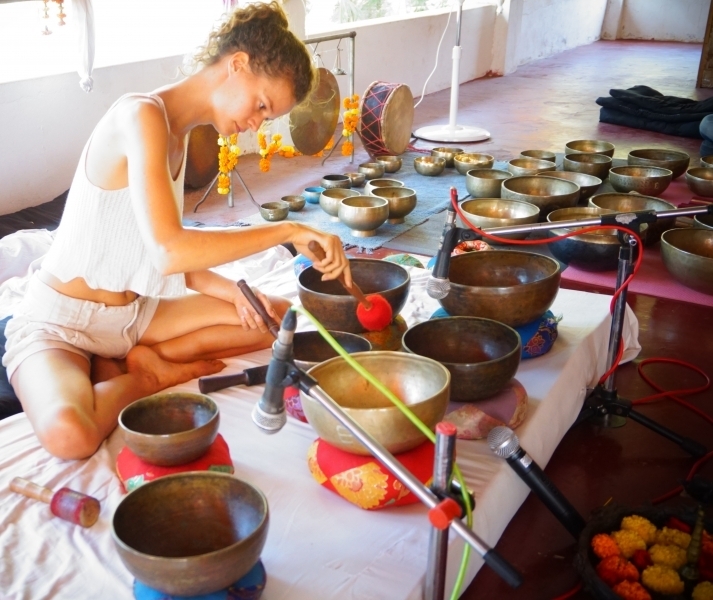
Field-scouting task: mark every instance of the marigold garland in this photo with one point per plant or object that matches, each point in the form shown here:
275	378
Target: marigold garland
350	121
227	160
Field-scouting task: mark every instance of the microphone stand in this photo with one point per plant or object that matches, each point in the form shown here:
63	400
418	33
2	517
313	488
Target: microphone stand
603	402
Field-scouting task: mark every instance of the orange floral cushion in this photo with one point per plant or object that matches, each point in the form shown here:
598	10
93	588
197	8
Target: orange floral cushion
363	480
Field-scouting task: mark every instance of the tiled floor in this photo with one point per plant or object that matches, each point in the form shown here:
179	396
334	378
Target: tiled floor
542	106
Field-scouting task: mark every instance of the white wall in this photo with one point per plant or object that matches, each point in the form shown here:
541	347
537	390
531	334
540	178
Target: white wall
662	20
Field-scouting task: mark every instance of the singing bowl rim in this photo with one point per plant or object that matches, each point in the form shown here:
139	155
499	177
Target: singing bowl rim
545	201
690	232
572	176
177	566
631	198
463	257
608	147
707	163
699	266
678	162
541	153
429	165
697	222
347	296
488	221
609	237
521	162
184	446
700	185
463	164
480	174
339	336
594	158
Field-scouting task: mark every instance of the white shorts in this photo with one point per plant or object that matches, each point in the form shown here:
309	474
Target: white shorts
47	319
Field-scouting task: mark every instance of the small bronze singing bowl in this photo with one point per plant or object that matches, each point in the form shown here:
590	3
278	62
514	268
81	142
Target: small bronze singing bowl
700	181
674	161
625	203
391	163
588	184
547	193
294	203
310	348
372	170
486	213
336	181
380	183
401	201
688	256
703	221
649	181
589	147
363	214
358	179
431	166
707	161
591	164
465	161
539	154
274	211
529	166
447	153
485	183
329	200
169	429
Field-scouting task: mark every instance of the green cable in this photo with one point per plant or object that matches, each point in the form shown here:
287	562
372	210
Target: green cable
414	419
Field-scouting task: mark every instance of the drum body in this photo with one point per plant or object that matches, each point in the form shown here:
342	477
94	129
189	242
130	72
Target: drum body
386	118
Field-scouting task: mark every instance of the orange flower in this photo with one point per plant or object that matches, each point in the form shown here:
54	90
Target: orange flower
347	148
264	165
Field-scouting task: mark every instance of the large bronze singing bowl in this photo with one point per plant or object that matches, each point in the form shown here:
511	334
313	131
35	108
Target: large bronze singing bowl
482	355
530	166
170	428
487	213
649	181
591	164
310	348
688	256
504	285
676	162
589	147
191	533
623	203
420	383
596	251
335	308
588	184
402	201
547	193
485	183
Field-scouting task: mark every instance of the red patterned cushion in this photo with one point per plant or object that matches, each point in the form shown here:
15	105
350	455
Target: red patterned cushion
134	472
363	480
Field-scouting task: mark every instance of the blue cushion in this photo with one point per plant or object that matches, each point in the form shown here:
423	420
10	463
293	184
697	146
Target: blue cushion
9	403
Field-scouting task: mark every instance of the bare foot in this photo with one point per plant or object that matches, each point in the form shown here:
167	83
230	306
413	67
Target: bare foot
161	374
104	369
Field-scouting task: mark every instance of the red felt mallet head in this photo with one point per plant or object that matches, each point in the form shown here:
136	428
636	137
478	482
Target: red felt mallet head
376	318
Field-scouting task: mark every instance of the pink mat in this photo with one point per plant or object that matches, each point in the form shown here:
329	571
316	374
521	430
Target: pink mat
653	278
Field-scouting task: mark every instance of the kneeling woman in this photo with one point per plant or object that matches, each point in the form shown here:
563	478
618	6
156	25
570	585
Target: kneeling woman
108	319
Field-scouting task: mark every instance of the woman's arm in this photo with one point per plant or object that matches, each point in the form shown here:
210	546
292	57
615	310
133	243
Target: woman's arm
171	247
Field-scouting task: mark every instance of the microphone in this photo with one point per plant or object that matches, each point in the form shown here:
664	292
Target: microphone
438	286
269	413
504	443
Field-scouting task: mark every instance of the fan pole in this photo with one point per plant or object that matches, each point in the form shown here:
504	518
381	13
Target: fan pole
453	132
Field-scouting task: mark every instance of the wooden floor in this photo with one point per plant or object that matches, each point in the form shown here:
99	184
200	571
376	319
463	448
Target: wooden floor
543	105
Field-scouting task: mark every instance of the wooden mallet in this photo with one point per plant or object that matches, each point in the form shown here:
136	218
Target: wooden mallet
66	504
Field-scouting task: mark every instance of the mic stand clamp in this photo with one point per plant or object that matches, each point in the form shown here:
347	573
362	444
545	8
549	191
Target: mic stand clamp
603	405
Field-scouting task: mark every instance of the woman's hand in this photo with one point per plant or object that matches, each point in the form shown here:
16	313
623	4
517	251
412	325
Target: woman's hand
335	261
249	318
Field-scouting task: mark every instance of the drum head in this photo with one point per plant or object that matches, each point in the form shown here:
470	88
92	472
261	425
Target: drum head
398	120
314	121
386	118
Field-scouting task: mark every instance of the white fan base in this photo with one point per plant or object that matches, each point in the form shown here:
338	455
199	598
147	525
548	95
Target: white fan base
446	133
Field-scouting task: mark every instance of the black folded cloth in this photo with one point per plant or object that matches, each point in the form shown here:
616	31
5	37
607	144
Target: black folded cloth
643	107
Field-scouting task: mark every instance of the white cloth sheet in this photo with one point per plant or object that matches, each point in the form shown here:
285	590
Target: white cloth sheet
319	546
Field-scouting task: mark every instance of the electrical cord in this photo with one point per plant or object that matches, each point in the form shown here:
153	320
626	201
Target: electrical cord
438	50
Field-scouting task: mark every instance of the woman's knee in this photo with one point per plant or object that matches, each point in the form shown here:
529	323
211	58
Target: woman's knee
68	433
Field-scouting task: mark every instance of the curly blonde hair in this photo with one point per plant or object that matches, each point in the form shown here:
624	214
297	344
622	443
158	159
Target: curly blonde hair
262	31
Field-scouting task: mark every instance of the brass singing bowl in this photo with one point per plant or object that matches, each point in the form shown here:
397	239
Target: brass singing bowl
649	181
335	308
192	533
589	147
595	251
703	221
539	154
391	163
358	179
624	203
707	161
446	152
330	199
485	183
547	193
529	166
688	256
274	211
591	164
588	184
294	203
309	348
381	182
336	181
429	165
509	286
481	355
363	214
372	170
170	428
674	161
402	201
420	383
465	161
486	213
700	181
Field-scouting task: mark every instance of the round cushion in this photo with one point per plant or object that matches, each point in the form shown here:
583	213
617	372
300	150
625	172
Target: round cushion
293	403
363	480
248	587
134	472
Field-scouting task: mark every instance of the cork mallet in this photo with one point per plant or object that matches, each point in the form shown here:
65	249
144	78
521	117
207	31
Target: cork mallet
66	504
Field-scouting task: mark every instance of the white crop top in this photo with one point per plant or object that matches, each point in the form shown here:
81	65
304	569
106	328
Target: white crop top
98	237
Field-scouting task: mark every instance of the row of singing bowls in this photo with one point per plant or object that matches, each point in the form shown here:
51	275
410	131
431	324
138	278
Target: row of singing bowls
363	214
485	183
676	162
625	203
310	348
420	383
547	193
192	533
588	184
331	199
589	147
482	355
486	213
688	256
335	308
595	251
529	166
508	286
465	161
700	181
402	201
381	183
649	181
591	164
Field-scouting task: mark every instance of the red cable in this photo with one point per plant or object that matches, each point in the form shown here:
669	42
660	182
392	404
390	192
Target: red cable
570	593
